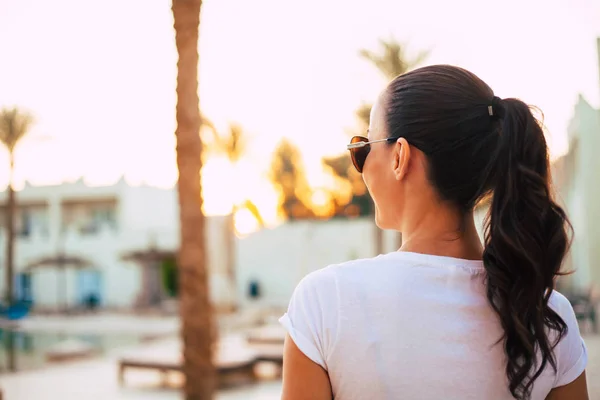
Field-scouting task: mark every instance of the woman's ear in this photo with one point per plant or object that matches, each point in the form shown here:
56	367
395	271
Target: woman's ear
401	159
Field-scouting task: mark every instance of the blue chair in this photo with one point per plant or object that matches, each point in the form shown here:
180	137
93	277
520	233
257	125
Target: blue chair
16	311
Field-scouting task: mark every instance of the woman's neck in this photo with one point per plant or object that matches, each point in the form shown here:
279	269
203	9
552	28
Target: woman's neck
443	234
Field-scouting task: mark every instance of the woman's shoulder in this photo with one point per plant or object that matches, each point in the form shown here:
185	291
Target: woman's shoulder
328	278
331	271
560	304
571	352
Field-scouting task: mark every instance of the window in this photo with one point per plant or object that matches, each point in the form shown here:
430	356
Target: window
90	217
24	224
29	220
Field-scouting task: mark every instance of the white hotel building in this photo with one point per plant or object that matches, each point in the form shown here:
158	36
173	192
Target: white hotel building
101	224
96	224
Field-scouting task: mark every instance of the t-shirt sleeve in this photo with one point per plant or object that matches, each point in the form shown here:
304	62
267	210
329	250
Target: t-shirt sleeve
310	319
571	352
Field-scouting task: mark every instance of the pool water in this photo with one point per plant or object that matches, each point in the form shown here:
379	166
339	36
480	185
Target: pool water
20	351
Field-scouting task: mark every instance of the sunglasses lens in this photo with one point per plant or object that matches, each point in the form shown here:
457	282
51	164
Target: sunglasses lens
359	154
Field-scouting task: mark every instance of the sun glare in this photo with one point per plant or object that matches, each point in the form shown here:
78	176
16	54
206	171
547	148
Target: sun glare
319	198
136	138
245	223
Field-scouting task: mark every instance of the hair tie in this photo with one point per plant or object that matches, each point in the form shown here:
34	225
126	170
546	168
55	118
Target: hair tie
493	108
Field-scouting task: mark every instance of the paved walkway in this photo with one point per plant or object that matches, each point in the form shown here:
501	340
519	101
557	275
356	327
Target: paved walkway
593	369
97	380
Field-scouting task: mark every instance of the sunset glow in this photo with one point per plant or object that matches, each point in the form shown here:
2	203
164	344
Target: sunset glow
106	95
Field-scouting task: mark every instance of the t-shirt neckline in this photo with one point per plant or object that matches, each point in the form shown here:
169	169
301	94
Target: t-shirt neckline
431	259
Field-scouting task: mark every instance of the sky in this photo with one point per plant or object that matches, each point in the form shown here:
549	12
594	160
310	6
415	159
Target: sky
99	76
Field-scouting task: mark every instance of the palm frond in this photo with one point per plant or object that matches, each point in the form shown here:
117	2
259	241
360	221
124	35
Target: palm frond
363	114
391	58
339	166
233	144
14	125
250	206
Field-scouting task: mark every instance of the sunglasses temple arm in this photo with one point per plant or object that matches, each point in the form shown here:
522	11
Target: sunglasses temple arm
357	145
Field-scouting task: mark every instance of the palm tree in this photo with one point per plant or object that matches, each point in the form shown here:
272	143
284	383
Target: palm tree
288	177
360	203
391	60
234	146
14	125
195	308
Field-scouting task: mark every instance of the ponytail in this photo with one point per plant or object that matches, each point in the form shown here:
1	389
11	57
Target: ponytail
475	148
526	240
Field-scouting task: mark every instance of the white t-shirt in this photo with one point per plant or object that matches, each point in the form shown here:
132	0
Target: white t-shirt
414	326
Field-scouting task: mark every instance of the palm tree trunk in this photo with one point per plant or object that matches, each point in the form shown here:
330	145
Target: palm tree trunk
10	255
10	235
11	350
195	309
231	253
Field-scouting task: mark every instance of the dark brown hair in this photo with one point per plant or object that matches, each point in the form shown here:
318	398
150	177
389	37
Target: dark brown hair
478	145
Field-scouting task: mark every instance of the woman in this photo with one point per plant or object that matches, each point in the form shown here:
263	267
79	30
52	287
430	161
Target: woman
445	317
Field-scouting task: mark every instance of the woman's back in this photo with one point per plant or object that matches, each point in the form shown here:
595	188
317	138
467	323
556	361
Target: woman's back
414	326
420	327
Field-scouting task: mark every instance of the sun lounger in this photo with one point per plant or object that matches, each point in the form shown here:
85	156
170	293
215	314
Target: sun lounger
69	350
268	352
166	357
269	334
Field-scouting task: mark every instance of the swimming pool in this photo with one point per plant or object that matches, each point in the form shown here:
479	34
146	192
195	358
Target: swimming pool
21	350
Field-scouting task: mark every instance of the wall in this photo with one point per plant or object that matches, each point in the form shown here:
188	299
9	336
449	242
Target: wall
584	195
279	258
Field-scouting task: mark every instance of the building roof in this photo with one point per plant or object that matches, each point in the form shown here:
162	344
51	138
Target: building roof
151	254
59	261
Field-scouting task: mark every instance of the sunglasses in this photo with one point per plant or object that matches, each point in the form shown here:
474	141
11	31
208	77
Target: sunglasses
360	147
